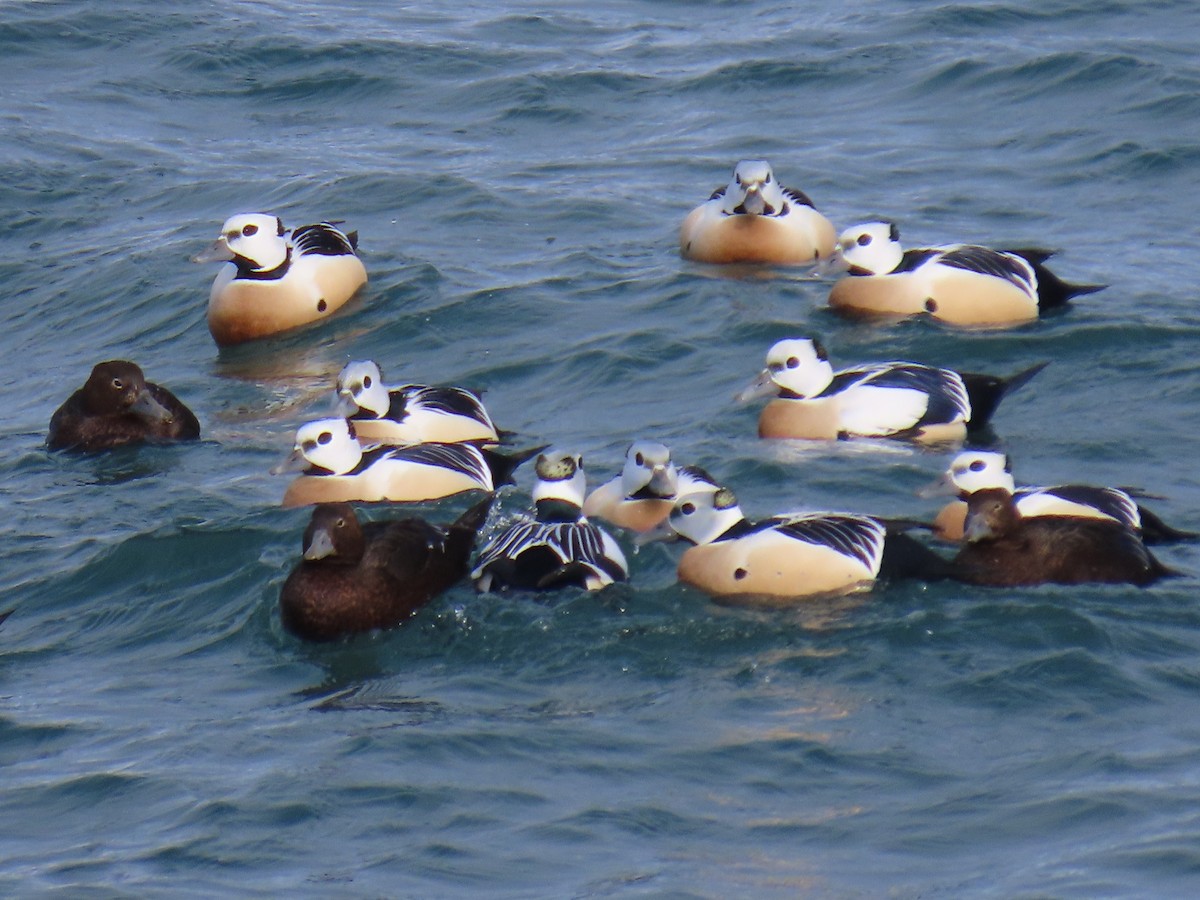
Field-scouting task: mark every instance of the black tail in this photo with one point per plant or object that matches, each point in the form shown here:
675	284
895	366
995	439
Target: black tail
1156	570
504	464
472	520
460	536
1156	531
1053	292
1035	256
986	391
906	557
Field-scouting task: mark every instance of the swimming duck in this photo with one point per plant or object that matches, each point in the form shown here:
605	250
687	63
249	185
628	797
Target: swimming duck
893	399
559	548
962	284
754	219
357	577
118	406
788	557
975	470
337	468
410	413
644	493
275	283
1004	548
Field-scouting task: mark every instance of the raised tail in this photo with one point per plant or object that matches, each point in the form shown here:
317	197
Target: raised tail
1053	292
986	391
461	535
1156	531
504	464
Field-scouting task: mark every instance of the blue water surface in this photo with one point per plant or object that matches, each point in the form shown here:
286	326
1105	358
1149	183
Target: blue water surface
517	174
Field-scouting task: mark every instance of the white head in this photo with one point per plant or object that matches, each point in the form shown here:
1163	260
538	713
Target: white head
328	444
648	472
796	367
975	470
703	517
872	248
255	239
360	387
971	471
753	190
560	477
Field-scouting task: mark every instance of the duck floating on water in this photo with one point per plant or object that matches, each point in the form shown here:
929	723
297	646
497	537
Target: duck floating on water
275	282
559	547
882	400
337	468
753	219
781	559
356	577
962	284
976	470
1005	549
118	406
644	493
410	413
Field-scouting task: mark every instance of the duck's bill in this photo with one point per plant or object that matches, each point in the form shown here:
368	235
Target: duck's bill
320	547
344	405
660	533
940	488
218	251
831	266
147	408
295	462
762	386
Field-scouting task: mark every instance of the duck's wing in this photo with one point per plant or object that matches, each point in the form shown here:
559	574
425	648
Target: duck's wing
1115	504
451	401
797	196
857	537
464	458
892	398
986	261
322	239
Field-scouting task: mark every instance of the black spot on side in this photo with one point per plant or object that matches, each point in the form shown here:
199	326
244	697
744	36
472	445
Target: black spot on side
322	305
930	305
739	574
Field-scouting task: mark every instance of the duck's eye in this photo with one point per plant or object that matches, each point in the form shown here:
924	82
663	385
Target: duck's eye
977	466
340	523
324	438
367	381
793	362
767	180
250	231
640	460
738	179
118	384
863	240
688	508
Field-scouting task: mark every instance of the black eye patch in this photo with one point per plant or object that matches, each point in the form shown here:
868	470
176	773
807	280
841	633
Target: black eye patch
863	240
250	230
324	438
